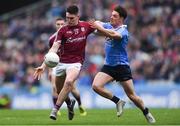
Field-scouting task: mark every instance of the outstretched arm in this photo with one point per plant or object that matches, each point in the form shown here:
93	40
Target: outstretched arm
55	47
39	70
106	32
96	32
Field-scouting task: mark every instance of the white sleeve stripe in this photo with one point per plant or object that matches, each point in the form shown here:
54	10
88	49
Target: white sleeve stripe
52	36
57	34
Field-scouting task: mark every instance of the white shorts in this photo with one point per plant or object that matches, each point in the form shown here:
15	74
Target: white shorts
60	69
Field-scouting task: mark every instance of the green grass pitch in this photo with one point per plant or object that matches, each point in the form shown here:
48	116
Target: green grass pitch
94	117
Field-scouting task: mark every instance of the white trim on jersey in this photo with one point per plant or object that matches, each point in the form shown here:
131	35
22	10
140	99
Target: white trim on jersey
55	34
58	31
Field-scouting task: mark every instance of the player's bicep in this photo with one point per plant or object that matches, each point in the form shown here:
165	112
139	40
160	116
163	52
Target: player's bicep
122	33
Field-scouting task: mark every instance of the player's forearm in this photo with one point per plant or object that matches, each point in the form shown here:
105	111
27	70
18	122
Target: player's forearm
96	32
98	26
106	32
49	73
49	70
54	47
43	65
109	33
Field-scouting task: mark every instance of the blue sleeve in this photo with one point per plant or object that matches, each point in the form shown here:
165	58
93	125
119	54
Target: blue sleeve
107	25
123	32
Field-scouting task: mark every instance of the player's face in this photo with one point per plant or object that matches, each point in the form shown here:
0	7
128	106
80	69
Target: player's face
72	19
115	18
59	24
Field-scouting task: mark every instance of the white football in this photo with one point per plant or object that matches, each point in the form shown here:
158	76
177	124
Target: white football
51	59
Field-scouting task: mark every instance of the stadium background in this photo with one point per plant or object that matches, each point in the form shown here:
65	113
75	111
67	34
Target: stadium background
154	51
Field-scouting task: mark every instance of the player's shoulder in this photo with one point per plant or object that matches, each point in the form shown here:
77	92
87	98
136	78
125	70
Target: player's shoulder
62	29
84	23
124	28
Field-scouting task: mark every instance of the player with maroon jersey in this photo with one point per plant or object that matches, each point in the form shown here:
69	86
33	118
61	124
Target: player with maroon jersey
70	46
58	81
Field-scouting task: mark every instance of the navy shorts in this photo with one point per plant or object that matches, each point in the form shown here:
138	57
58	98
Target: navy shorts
119	73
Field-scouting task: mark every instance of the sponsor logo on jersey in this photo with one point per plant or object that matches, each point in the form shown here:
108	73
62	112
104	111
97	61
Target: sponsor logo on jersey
79	39
69	32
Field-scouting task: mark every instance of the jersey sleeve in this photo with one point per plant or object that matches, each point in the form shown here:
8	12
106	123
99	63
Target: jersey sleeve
52	39
106	25
50	43
89	29
59	35
123	32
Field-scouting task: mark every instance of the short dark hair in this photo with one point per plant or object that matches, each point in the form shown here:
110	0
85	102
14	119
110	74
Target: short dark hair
73	9
122	12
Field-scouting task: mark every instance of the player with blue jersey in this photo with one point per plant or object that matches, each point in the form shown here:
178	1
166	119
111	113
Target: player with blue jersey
116	65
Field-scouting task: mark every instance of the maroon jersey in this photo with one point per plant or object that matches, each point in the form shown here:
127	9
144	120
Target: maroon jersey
73	42
52	39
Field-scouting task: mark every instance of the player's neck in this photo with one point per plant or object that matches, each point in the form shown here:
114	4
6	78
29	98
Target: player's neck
75	24
118	25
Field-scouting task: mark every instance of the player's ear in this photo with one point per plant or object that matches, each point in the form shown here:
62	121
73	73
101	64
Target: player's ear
78	16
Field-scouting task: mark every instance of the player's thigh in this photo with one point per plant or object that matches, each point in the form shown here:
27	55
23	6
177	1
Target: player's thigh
72	74
60	82
102	79
128	87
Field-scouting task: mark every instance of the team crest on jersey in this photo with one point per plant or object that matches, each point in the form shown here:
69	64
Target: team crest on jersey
76	31
82	29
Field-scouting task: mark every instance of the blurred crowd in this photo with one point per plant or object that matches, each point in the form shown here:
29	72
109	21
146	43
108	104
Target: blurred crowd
154	42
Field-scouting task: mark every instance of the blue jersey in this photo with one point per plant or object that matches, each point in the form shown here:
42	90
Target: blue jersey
115	50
